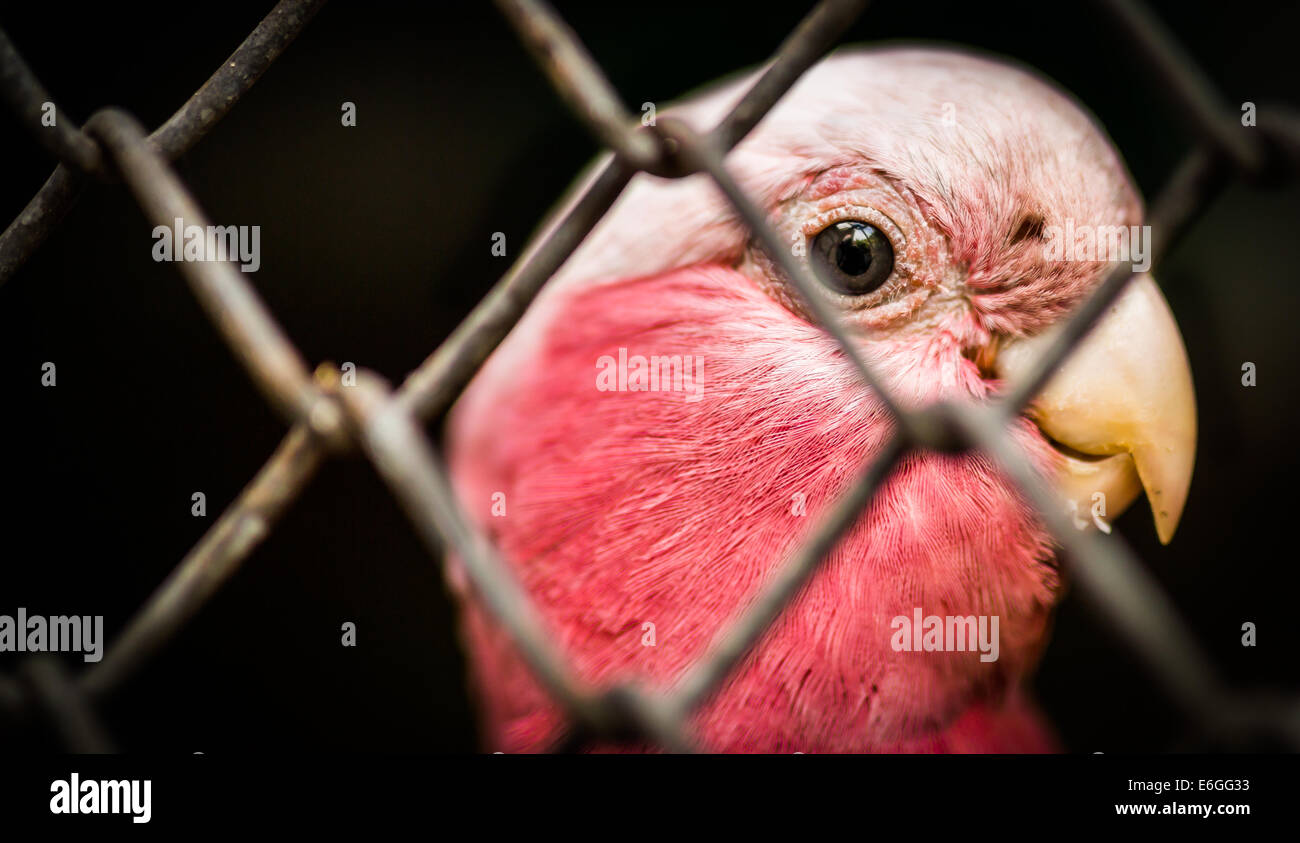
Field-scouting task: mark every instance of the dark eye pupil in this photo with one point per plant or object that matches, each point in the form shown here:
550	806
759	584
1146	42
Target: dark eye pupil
853	254
853	257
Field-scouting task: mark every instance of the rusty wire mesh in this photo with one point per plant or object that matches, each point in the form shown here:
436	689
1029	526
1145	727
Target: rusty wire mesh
326	417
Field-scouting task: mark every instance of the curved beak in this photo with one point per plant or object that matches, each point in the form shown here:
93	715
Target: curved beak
1121	410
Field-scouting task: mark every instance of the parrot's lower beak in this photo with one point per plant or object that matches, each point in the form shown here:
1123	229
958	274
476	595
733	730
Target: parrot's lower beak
1121	410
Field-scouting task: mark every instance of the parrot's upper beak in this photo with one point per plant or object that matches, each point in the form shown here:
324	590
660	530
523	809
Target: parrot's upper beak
1121	410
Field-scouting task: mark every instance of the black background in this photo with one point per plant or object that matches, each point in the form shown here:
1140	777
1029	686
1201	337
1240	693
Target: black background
375	243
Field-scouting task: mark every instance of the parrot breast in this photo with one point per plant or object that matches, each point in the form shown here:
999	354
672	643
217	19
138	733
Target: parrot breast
642	521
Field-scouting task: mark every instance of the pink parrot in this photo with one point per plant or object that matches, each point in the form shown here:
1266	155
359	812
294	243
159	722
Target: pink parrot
666	425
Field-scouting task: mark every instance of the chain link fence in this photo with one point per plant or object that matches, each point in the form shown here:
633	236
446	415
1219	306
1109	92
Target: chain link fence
328	418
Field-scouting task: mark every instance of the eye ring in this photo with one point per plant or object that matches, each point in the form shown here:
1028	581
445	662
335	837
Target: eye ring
852	257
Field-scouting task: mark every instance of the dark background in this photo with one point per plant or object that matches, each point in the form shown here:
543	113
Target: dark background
375	243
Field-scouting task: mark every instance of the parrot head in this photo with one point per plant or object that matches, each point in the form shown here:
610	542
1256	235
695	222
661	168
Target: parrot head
666	424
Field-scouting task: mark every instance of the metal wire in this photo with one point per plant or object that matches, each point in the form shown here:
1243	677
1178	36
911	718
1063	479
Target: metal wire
385	424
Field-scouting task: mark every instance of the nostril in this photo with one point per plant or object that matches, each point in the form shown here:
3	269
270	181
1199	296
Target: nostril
1030	227
984	357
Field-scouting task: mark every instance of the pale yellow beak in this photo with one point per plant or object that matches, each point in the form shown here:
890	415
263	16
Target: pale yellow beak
1123	402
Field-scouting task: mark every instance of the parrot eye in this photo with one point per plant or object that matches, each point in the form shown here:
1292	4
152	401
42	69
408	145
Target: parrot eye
852	257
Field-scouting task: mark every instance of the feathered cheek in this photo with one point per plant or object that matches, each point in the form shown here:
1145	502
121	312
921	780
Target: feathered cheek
922	372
